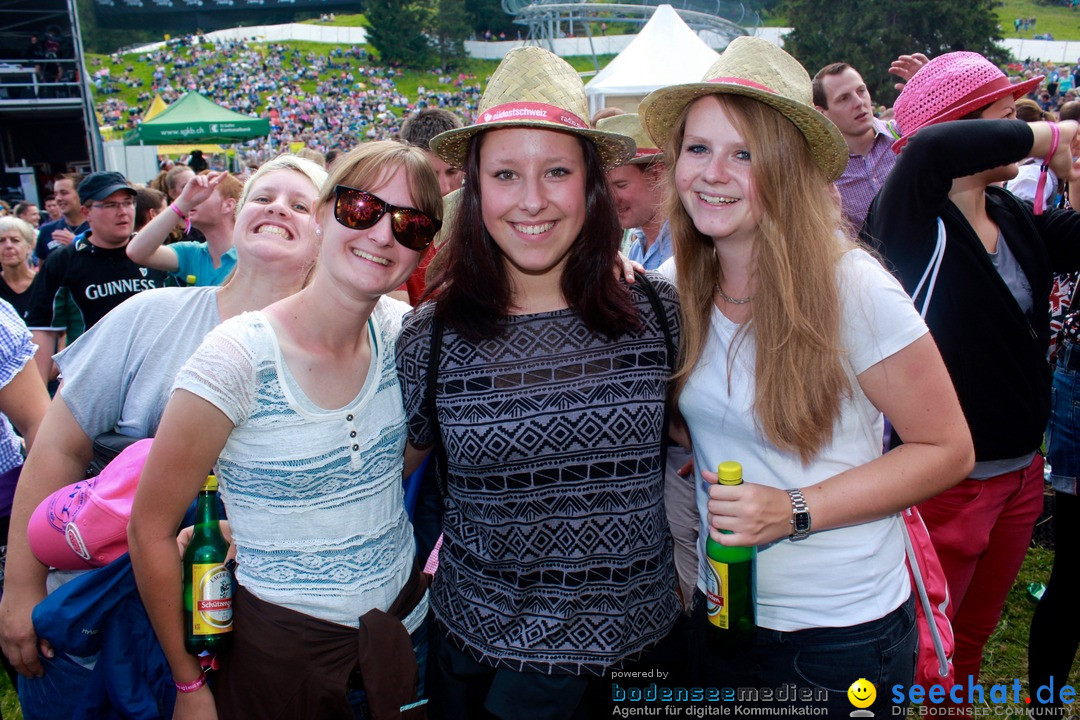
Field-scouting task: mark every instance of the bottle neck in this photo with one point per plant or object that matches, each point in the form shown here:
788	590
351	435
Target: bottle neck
206	509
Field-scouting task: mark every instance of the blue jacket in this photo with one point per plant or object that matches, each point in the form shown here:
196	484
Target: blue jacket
100	613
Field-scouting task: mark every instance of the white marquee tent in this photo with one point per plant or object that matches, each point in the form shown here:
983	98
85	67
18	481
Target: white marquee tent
665	52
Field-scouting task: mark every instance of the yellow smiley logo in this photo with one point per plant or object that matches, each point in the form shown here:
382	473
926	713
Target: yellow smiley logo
862	693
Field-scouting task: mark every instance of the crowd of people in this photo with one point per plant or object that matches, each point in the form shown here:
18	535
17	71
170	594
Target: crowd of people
354	100
467	448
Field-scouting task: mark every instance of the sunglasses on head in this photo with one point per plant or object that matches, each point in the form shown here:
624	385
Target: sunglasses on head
359	210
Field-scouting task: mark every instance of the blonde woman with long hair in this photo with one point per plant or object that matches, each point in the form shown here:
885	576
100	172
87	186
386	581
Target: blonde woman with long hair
794	342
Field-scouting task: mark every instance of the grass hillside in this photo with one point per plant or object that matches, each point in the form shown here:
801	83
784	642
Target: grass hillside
132	73
1051	17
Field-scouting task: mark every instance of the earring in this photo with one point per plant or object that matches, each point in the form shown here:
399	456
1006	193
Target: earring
318	231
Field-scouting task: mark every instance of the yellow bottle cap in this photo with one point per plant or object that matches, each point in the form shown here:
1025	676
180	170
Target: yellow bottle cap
211	484
190	279
730	472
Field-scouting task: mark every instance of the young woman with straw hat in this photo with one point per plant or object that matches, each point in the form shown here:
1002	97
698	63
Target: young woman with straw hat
549	402
988	311
794	342
299	408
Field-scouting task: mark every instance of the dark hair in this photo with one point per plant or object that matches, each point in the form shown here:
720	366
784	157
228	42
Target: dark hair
472	285
418	129
75	178
147	199
818	82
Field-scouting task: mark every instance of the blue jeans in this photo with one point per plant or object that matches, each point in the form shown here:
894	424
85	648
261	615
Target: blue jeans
825	661
1063	430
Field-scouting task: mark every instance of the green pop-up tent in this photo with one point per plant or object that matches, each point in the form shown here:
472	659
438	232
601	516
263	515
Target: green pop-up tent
194	118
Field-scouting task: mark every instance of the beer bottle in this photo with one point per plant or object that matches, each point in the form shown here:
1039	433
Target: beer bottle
208	583
729	598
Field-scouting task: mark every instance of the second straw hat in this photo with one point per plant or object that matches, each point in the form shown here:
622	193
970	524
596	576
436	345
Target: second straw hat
533	88
757	69
629	124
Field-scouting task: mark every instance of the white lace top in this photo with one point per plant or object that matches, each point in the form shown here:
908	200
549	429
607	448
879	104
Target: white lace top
314	496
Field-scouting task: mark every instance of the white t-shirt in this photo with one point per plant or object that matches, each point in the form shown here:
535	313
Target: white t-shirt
833	578
315	497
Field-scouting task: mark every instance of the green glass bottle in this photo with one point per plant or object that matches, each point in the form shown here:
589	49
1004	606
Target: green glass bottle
729	598
208	582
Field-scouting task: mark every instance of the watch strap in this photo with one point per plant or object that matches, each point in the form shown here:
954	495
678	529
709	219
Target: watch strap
800	515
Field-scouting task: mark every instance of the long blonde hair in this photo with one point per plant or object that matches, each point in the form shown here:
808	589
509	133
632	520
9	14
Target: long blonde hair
800	381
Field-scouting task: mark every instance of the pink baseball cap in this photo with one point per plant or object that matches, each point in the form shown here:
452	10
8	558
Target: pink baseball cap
84	525
949	87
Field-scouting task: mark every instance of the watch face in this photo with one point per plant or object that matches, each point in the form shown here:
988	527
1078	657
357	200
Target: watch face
802	522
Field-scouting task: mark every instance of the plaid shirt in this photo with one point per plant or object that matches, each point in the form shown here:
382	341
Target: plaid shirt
865	174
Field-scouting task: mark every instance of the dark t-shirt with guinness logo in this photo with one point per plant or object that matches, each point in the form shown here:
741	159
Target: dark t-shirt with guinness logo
98	279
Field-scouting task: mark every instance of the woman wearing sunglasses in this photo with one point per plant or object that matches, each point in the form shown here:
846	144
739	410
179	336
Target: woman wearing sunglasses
299	406
556	564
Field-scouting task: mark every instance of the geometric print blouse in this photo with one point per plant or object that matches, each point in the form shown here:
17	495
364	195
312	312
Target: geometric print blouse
556	556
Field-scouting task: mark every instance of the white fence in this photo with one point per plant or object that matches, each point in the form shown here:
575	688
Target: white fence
1022	49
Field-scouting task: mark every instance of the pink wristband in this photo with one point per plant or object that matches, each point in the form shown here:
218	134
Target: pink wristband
187	228
1040	194
193	685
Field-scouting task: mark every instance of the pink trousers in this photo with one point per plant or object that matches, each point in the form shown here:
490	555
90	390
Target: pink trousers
981	530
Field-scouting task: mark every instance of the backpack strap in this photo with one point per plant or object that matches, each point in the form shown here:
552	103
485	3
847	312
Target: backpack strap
658	308
434	357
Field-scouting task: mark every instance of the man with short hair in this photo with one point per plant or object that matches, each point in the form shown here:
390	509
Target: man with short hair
70	224
51	208
418	130
28	212
95	268
841	95
639	199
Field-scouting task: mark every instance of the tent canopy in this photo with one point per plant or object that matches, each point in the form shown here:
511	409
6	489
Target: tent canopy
157	107
665	52
195	119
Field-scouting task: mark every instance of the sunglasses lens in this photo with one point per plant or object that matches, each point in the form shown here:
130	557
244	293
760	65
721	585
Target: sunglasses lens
413	229
357	209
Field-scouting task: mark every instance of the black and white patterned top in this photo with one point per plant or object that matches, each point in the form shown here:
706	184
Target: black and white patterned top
556	556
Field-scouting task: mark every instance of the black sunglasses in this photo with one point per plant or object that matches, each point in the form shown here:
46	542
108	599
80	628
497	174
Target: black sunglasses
359	210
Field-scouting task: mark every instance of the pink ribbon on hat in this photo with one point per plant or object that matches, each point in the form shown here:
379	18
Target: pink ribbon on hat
744	82
531	111
648	152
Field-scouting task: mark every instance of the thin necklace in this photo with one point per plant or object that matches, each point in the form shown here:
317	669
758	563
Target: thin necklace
732	300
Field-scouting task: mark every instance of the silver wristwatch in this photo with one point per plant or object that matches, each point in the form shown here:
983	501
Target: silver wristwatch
800	516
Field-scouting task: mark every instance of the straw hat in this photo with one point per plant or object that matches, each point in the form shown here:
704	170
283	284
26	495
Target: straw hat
757	69
949	87
629	124
533	88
